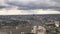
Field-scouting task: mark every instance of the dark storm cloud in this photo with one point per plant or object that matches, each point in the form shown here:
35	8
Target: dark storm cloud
1	7
5	7
34	4
29	6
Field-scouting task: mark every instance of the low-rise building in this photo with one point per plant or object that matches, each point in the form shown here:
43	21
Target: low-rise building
39	30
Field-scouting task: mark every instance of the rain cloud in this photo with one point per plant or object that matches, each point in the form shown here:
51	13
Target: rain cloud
31	4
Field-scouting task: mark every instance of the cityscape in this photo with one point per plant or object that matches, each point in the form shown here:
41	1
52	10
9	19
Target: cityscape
29	16
30	24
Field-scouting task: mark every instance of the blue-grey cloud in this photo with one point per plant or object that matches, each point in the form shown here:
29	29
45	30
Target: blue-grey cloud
1	7
5	7
33	4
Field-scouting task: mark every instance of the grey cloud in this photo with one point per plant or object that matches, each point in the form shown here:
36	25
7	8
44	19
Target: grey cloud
34	4
56	0
5	7
1	7
29	6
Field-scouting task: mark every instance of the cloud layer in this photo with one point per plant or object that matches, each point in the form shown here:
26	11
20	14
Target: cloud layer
31	4
21	12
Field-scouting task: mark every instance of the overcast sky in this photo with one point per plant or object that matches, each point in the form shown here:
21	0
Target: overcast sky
15	7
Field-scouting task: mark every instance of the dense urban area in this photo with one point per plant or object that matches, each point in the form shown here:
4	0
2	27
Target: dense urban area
30	24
